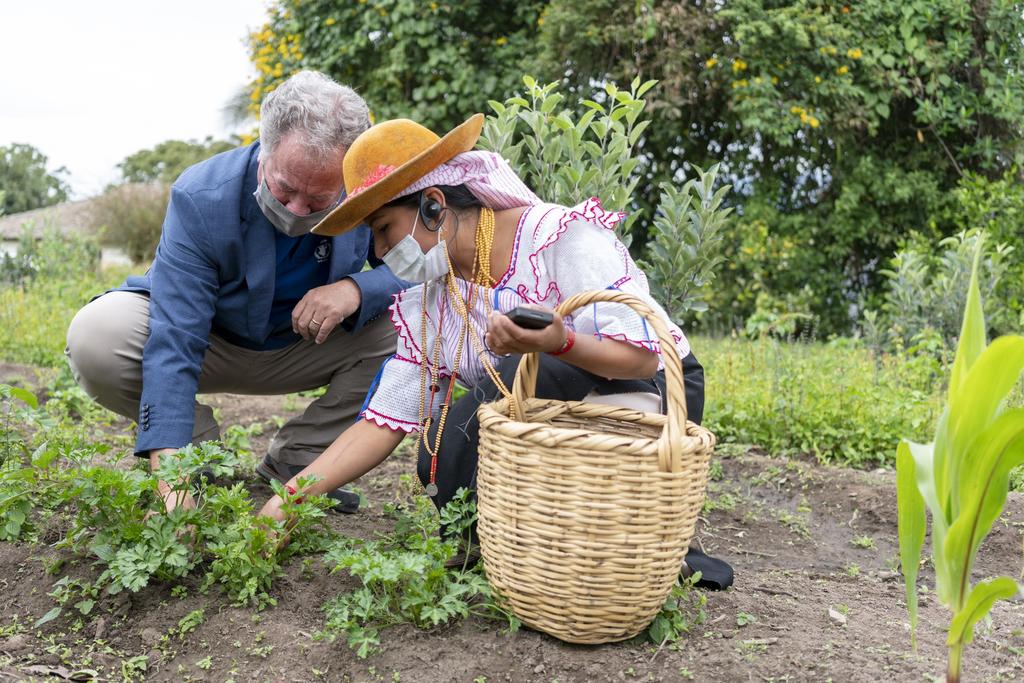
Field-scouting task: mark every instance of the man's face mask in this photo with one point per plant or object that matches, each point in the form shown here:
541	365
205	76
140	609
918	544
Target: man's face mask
283	219
408	262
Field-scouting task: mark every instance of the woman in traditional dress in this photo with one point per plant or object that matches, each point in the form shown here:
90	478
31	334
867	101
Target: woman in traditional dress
478	243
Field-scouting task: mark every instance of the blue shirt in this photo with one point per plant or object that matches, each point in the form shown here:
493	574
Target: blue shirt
302	263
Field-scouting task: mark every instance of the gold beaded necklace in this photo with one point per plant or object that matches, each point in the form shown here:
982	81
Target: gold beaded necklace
484	242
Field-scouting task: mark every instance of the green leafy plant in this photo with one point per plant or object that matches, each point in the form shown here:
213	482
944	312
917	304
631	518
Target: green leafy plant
836	400
405	578
247	553
115	517
568	161
928	290
568	158
962	477
683	609
685	247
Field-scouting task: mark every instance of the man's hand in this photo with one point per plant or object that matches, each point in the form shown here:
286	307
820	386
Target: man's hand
172	499
319	312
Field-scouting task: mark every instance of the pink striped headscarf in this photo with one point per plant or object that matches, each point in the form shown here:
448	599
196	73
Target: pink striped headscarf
485	174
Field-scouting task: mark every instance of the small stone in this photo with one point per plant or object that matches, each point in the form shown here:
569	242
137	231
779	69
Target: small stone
150	636
15	643
539	669
101	628
837	616
122	604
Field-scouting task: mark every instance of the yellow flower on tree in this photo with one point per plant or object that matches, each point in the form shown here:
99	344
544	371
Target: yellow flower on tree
843	70
710	64
738	65
329	21
854	53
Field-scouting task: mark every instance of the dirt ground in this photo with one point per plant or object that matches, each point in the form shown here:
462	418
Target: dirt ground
817	597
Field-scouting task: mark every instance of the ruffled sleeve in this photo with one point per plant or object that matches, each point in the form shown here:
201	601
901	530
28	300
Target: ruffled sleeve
578	251
388	403
394	399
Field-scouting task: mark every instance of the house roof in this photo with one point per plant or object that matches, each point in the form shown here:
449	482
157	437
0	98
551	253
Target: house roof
66	217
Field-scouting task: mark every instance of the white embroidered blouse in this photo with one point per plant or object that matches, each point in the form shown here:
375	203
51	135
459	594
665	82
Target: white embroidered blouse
557	252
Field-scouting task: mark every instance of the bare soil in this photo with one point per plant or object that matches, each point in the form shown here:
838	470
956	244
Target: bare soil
817	597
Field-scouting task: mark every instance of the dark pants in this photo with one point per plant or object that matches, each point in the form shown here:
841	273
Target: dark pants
457	455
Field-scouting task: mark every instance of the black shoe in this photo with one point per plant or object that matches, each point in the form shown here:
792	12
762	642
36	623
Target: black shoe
715	574
347	500
463	558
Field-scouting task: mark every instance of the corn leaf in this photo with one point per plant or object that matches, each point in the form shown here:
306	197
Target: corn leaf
969	348
911	525
924	470
998	449
988	383
984	595
972	332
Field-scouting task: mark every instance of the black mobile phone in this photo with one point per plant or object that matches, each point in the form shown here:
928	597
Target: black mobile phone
530	318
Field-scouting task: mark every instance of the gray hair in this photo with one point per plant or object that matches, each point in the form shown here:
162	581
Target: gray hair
326	114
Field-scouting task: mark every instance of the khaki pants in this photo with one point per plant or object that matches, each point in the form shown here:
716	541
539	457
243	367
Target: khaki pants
105	342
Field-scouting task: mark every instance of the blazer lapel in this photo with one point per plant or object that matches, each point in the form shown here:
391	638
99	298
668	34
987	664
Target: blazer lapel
260	259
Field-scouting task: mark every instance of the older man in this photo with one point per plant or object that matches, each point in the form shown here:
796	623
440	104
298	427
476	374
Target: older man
242	298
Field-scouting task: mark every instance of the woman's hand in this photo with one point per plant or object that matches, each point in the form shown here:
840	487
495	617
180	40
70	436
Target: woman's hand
272	509
504	336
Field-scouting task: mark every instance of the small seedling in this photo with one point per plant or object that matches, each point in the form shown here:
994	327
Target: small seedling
190	622
864	541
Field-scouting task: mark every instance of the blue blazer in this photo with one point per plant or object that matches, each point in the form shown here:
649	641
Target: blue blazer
215	268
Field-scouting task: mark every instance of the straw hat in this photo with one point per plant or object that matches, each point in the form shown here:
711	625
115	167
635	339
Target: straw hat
386	159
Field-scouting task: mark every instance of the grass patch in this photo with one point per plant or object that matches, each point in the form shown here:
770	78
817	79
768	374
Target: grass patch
836	400
42	288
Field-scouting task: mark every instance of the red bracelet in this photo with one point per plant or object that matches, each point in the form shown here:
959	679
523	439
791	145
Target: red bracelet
292	491
570	339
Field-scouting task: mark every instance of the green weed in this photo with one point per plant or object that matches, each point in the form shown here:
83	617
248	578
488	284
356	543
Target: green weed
404	577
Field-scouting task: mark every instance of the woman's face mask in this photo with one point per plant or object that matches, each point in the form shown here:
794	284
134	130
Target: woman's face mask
408	262
283	219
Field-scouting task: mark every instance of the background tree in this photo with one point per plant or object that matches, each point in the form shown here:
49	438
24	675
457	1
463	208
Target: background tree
130	215
25	181
166	161
844	128
435	62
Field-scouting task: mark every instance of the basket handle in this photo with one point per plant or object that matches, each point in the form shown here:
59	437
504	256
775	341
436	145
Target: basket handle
670	443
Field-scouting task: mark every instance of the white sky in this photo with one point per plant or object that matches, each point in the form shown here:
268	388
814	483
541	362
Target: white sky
89	82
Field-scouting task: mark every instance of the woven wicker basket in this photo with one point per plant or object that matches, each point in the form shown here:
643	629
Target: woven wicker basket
586	510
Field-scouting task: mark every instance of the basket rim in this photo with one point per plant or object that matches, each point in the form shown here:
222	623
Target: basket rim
496	413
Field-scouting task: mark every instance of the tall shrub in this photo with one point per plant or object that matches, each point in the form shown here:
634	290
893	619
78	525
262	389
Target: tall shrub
570	153
929	289
131	217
